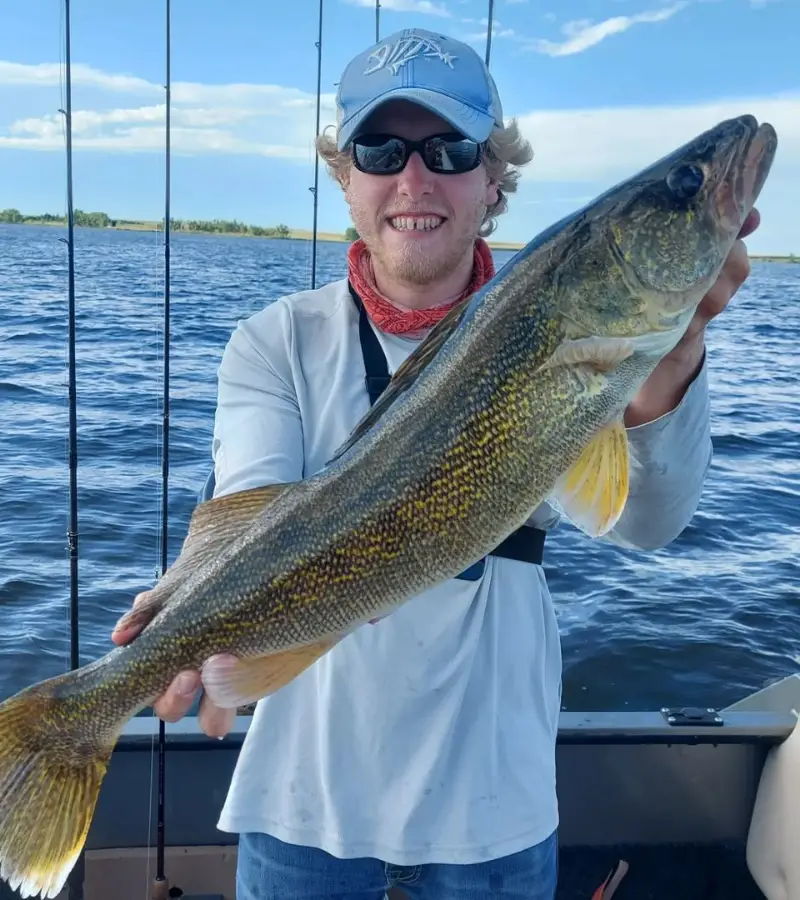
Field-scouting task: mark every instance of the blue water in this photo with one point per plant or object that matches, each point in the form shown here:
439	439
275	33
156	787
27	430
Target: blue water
710	618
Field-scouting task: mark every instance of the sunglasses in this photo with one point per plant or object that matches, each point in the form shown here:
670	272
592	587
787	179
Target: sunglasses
444	154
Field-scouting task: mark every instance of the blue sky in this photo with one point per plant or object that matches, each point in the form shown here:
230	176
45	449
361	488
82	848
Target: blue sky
601	88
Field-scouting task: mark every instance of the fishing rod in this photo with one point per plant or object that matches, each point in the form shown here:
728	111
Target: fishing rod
315	190
160	883
75	879
72	532
377	20
489	32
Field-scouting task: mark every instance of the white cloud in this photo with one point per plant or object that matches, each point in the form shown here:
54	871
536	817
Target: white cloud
581	34
498	31
52	74
425	7
206	118
600	145
49	75
143	138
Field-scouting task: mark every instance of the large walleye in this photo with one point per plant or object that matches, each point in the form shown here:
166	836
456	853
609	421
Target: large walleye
516	397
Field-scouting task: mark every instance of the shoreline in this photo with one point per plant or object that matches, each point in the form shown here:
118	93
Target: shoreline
297	234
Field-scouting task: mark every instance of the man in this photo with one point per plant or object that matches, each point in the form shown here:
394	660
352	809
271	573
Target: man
418	752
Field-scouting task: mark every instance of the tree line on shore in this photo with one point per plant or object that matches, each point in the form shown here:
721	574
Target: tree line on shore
84	219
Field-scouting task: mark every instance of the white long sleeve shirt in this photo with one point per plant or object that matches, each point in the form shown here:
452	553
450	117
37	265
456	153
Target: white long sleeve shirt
430	736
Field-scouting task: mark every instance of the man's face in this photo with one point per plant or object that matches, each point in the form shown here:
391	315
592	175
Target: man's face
456	202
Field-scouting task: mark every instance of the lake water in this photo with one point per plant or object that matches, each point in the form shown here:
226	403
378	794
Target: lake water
704	621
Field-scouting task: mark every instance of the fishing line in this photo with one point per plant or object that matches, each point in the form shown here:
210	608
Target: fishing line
158	345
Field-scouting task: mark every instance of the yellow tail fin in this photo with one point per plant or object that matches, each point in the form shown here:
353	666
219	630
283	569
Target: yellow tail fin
50	776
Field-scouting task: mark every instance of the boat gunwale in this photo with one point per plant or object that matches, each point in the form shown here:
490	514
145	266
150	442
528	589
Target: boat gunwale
581	728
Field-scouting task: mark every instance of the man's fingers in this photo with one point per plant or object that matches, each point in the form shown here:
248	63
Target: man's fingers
125	635
122	636
750	224
174	703
215	721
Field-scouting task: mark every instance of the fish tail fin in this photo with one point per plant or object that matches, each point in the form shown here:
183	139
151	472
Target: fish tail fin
51	767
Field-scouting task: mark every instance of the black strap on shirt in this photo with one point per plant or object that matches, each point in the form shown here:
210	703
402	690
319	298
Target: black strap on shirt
526	544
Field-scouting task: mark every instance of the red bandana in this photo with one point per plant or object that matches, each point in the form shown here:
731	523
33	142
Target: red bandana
400	320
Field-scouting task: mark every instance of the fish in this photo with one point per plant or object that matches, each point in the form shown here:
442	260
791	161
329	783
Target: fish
516	397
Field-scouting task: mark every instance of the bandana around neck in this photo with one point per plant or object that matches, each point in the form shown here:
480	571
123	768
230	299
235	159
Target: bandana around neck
398	319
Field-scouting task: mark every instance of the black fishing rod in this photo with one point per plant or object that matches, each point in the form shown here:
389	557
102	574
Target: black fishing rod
489	32
377	20
75	878
72	531
160	883
315	190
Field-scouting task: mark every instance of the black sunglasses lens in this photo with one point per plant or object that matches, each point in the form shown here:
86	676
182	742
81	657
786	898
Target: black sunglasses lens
386	155
379	155
451	155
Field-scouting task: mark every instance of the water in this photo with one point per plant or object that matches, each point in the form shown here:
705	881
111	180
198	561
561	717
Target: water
710	618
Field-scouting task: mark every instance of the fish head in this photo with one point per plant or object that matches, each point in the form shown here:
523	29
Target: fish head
660	239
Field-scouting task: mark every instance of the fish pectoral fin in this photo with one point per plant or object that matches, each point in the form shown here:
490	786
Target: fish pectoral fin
594	490
213	525
231	682
601	353
406	374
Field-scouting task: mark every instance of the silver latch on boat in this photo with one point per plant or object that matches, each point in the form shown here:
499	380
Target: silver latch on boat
691	715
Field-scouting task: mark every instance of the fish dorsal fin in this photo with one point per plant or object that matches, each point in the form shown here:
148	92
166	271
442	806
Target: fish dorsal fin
231	513
215	524
406	374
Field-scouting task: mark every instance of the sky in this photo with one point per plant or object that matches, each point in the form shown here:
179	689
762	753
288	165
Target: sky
601	88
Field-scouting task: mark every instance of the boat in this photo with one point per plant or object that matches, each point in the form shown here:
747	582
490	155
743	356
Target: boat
683	803
672	804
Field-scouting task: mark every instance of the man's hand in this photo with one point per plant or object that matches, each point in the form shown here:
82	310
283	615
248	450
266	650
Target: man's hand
668	382
174	703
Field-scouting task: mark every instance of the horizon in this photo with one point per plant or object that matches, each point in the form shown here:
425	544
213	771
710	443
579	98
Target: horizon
600	93
297	234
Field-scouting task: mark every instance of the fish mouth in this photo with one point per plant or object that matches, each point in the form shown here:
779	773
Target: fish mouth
750	150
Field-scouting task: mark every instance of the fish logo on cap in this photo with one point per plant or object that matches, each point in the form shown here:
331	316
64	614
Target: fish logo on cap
395	56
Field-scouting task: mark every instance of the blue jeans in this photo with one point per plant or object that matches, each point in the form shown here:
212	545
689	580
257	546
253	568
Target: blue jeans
269	869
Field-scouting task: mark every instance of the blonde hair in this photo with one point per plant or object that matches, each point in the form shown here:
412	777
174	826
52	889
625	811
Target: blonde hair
505	152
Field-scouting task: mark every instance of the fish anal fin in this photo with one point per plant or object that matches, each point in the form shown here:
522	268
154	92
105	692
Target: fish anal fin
594	490
231	682
213	525
406	374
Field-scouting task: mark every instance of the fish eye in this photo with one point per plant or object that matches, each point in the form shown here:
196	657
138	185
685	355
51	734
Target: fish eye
685	181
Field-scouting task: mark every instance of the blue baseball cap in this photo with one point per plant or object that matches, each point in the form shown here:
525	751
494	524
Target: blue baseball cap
444	75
